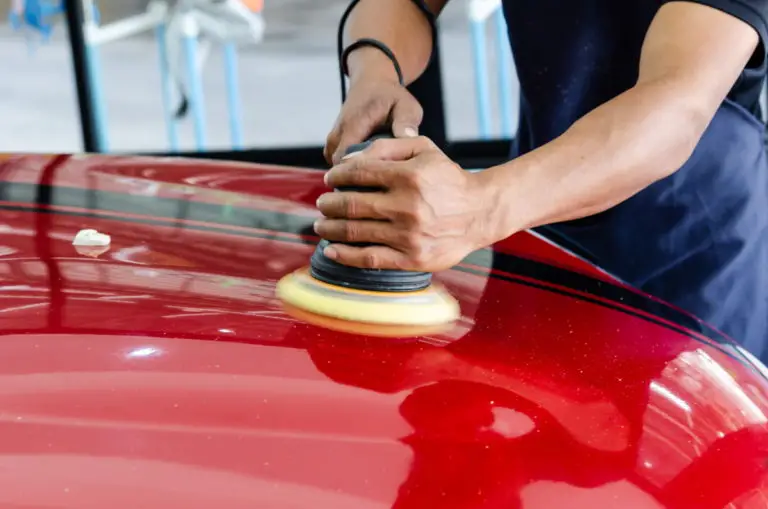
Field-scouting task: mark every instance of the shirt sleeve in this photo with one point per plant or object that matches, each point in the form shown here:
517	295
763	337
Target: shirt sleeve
752	12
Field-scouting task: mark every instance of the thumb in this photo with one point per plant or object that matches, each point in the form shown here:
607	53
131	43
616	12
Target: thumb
351	136
406	118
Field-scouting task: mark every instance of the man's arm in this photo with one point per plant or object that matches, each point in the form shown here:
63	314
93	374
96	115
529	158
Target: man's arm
434	213
692	56
401	26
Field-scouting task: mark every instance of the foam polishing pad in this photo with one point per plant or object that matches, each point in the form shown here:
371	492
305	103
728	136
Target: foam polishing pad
366	329
432	306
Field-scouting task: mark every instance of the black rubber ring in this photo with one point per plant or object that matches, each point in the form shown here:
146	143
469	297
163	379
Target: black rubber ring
372	280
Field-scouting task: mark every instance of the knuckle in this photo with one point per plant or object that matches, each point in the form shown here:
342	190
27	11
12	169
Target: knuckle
342	125
354	166
371	260
331	142
424	213
411	241
418	112
347	172
378	145
359	174
420	257
350	231
417	262
419	215
407	102
336	127
424	142
409	214
410	177
369	174
378	105
352	129
413	106
349	207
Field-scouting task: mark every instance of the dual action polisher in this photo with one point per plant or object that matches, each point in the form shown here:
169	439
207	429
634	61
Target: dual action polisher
390	302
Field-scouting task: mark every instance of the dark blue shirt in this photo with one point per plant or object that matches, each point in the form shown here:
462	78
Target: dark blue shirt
573	55
697	239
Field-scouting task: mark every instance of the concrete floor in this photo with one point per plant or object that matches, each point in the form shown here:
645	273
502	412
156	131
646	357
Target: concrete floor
289	84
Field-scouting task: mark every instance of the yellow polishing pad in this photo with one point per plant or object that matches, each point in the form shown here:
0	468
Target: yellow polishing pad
366	329
431	306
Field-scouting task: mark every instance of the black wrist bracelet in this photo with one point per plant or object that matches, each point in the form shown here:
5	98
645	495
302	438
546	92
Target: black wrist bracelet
374	43
343	54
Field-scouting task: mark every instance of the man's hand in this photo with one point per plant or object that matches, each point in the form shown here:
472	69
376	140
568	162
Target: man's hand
430	216
372	102
375	96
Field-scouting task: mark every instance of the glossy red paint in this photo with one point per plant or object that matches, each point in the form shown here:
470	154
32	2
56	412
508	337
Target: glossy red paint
163	373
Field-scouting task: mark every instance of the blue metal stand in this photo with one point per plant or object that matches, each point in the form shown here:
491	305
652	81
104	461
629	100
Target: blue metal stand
167	90
87	36
233	95
195	81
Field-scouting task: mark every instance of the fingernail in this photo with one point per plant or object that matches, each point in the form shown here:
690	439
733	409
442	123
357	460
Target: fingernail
325	178
350	155
316	225
410	132
330	253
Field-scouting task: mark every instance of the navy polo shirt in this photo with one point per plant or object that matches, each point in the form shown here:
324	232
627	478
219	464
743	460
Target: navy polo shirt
697	239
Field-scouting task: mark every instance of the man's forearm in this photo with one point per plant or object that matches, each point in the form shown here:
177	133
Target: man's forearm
400	25
639	137
618	149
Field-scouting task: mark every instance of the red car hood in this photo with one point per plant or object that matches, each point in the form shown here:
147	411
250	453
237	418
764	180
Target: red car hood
163	373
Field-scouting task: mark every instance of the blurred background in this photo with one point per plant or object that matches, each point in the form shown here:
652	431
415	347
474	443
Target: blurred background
287	80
